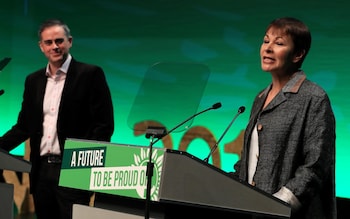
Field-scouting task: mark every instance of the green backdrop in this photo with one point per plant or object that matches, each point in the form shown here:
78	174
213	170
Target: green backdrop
127	37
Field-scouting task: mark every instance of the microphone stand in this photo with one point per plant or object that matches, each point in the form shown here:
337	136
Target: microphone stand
159	133
149	174
240	110
152	133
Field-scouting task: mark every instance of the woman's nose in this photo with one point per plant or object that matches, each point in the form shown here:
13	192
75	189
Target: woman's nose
268	47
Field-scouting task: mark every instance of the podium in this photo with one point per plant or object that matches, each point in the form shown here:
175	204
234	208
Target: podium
181	183
10	162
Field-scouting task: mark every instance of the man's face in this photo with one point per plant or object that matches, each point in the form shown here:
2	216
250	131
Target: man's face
55	44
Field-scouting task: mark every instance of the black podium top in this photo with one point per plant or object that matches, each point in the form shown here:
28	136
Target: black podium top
189	180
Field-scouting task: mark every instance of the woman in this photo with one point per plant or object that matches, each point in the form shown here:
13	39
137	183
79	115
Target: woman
289	142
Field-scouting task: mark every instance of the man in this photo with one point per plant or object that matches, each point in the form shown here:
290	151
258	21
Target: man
67	99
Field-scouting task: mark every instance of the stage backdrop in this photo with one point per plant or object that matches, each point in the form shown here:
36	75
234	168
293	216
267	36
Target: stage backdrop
128	38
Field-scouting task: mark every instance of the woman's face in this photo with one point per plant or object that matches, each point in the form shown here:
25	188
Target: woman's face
277	52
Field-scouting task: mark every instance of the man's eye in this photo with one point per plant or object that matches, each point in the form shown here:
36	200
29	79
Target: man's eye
48	42
59	41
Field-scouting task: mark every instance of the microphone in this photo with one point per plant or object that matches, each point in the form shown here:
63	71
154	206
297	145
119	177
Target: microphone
214	106
4	62
240	110
2	92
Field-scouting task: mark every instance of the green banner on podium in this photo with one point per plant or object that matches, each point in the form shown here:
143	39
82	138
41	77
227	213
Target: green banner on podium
110	168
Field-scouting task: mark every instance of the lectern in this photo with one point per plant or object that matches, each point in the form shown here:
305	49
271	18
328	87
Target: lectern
180	182
10	162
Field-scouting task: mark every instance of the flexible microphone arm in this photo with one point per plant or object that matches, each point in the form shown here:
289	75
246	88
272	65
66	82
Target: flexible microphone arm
150	165
3	63
214	106
240	110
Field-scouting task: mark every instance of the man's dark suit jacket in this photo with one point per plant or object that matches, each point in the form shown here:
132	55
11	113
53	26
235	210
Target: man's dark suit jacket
85	112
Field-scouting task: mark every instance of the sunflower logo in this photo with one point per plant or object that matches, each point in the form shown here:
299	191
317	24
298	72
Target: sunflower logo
142	160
